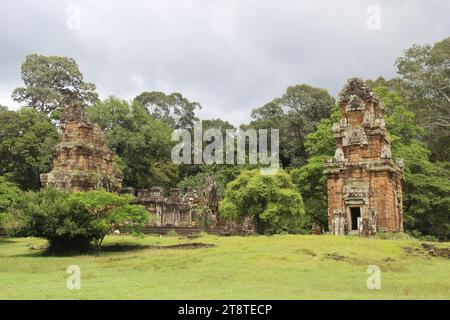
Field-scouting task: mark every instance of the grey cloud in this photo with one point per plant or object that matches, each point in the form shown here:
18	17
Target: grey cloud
230	56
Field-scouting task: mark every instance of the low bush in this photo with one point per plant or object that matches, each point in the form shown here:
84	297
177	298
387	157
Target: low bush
73	222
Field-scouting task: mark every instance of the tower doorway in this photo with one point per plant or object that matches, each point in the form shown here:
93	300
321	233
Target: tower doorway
355	213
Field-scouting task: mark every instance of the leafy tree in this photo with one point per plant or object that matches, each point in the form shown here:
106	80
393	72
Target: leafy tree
142	143
9	194
426	185
269	200
174	109
27	139
306	106
272	116
424	72
309	179
51	83
109	211
74	222
296	114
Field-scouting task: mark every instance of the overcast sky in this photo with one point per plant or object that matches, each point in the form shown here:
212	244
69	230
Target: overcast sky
231	56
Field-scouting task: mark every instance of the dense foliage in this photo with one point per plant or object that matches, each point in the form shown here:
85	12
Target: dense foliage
142	143
173	109
27	139
426	185
270	201
9	195
309	179
73	222
296	114
425	85
139	131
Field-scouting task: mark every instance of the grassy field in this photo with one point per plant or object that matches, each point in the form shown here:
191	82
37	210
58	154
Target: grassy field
259	267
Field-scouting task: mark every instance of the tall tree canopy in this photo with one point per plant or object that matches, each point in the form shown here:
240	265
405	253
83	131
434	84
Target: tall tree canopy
296	114
174	109
309	178
426	185
142	143
27	139
425	82
51	83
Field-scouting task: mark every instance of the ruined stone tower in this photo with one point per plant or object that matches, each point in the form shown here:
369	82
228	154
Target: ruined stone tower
363	181
84	161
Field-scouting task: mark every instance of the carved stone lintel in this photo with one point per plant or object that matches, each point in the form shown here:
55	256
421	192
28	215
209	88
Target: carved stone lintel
356	190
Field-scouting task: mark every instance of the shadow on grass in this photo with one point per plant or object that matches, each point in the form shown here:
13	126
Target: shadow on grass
6	241
134	247
44	251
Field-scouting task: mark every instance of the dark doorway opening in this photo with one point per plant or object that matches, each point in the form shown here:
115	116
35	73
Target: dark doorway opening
355	214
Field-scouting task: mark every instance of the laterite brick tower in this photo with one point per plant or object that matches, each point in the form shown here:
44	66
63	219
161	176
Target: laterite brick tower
363	181
83	162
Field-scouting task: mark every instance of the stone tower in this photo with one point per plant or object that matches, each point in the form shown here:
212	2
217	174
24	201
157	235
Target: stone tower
84	161
363	182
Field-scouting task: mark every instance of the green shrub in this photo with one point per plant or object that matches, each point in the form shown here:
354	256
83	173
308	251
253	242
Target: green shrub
9	194
393	236
416	234
74	222
269	200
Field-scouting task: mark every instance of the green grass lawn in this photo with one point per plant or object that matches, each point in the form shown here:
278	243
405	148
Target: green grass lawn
257	267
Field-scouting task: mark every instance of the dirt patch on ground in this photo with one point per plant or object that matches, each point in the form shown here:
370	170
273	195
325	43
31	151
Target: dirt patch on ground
427	250
415	251
337	257
386	264
435	251
308	252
